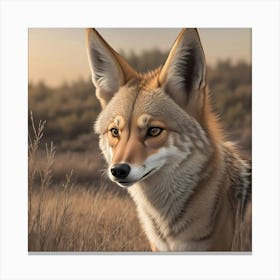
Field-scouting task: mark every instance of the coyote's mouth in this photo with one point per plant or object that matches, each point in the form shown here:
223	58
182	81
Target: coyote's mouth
148	173
129	183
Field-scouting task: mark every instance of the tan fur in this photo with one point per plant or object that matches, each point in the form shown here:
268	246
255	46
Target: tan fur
153	248
190	186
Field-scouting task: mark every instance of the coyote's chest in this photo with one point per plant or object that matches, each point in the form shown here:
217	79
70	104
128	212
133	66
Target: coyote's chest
167	235
162	239
171	226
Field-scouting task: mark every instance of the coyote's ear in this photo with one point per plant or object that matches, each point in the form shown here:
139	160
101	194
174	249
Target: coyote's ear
109	70
184	71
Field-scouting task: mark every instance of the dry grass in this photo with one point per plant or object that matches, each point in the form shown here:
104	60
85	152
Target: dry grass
69	218
81	220
87	168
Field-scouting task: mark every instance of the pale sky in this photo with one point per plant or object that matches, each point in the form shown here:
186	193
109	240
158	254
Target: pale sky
58	55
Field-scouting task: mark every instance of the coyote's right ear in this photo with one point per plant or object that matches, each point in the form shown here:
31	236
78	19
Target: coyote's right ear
109	70
184	73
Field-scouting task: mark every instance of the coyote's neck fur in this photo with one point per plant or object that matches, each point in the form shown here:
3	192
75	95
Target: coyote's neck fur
194	212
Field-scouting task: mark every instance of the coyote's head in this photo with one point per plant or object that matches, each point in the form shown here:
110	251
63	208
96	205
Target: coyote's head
154	121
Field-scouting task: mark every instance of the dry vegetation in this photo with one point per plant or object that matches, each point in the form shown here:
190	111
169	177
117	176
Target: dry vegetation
69	218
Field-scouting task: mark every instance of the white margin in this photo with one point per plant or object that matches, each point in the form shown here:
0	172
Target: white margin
18	16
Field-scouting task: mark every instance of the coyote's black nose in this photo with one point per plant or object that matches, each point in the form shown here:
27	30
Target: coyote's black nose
120	170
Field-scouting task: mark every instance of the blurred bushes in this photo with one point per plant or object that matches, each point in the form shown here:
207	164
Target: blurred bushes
147	61
231	88
71	109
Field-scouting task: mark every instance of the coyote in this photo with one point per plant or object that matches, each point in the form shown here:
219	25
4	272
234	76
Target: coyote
163	143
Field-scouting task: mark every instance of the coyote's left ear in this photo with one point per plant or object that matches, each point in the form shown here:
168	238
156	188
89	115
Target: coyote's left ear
184	72
109	70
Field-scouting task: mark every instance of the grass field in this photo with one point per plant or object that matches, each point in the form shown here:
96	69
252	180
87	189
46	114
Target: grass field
83	220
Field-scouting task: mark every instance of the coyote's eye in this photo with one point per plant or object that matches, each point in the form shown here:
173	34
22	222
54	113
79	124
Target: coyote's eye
115	132
154	131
